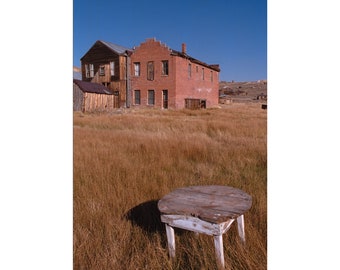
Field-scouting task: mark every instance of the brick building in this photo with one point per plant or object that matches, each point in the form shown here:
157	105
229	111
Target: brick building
153	75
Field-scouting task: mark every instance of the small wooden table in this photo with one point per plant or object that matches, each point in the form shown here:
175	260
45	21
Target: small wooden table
204	209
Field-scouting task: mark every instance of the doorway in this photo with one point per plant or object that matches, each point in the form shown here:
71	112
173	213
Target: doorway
165	99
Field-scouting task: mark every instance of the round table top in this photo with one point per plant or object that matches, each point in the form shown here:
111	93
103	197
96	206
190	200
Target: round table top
209	203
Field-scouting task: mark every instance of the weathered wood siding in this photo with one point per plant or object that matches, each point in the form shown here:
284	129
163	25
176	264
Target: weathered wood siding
100	55
91	102
78	97
98	102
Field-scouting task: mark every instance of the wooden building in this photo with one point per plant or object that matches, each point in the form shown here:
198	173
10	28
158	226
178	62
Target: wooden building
107	64
90	97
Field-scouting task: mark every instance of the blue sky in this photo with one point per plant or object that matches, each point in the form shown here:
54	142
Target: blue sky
230	33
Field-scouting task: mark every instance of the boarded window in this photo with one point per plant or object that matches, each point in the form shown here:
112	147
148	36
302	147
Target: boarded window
203	74
195	103
150	71
211	76
137	69
112	68
165	67
189	70
137	97
151	97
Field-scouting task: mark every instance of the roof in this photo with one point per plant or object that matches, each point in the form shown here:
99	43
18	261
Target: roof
90	87
114	47
118	49
121	50
215	67
184	55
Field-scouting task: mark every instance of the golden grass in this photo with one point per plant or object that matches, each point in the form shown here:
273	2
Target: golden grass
125	161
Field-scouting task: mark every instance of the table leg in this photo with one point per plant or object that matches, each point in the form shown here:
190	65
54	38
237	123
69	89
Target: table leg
170	234
218	242
240	228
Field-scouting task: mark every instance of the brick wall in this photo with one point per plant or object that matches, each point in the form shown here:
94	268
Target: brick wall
178	82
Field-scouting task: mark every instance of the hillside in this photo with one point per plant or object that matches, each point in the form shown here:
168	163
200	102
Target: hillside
244	91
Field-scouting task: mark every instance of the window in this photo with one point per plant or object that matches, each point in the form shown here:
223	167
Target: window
137	69
211	76
102	70
150	71
137	97
196	68
112	68
89	70
151	97
203	74
165	67
189	70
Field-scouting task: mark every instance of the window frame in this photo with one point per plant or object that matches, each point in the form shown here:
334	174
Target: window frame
151	98
150	70
165	67
137	99
112	68
136	70
102	70
89	70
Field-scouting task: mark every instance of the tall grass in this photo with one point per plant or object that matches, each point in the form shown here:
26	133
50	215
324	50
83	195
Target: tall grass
124	162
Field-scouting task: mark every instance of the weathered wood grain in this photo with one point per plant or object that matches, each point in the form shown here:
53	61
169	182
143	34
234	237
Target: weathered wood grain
210	203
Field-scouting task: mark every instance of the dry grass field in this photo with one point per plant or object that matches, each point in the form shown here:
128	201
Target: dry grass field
124	162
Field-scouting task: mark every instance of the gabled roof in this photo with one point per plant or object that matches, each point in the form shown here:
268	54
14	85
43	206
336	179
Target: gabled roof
120	50
89	87
116	48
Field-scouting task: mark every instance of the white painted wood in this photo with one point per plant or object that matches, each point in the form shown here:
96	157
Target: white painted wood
218	242
196	225
240	228
170	234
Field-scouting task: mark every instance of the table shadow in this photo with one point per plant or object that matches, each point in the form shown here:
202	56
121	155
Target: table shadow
147	216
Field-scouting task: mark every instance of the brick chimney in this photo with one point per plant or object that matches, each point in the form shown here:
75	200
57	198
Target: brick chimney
184	48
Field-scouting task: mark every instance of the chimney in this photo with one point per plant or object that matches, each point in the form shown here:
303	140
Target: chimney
184	48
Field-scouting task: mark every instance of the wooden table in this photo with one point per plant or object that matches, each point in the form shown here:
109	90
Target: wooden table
204	209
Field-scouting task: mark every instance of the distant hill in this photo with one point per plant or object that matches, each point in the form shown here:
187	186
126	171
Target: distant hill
76	73
244	91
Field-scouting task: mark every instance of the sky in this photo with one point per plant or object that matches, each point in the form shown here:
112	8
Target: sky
230	33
